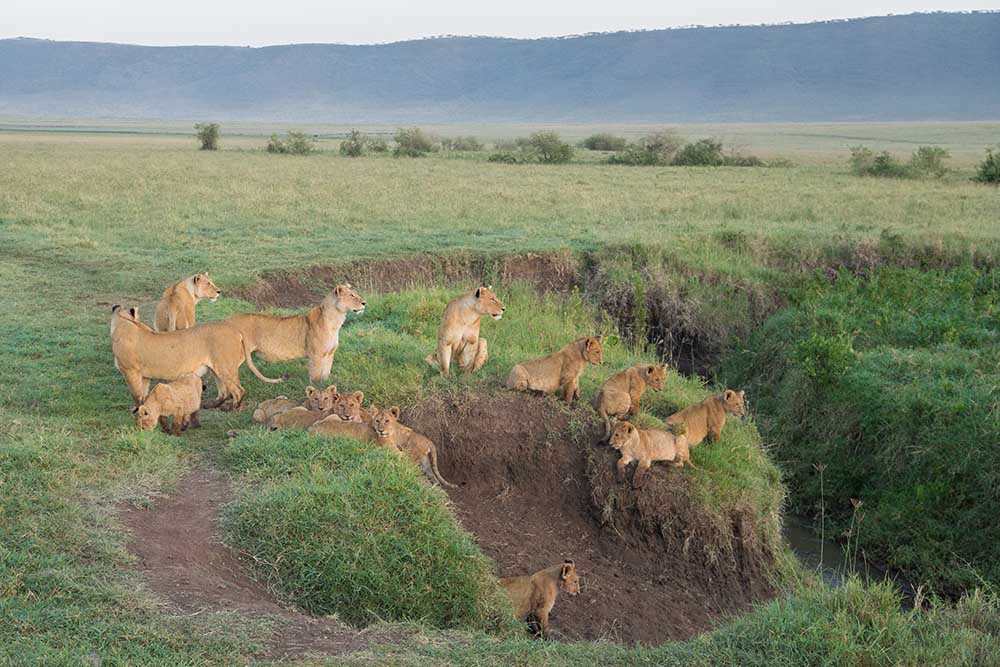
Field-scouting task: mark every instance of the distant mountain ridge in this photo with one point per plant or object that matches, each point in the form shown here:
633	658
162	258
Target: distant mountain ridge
942	66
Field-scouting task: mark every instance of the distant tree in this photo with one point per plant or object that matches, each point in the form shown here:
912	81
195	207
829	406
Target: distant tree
701	153
988	170
548	148
929	161
653	149
208	135
354	145
412	142
861	160
604	142
294	143
378	145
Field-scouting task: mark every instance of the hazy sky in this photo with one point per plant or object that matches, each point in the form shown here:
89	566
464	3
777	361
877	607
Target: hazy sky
247	22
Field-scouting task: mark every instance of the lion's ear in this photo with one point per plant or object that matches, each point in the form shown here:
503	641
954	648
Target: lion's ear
115	308
134	312
729	393
567	569
135	409
394	411
478	291
360	395
332	389
310	391
650	369
489	287
338	290
197	278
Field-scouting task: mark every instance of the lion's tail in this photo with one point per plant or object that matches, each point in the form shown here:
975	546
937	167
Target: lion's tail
253	367
432	454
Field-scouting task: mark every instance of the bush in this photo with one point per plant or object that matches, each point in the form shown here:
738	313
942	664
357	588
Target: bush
294	143
925	161
208	135
378	145
988	170
413	142
656	149
702	153
461	144
861	160
506	157
604	142
929	161
548	148
740	160
354	145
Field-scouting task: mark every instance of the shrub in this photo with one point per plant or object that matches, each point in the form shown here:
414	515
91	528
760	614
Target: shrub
294	143
413	142
604	142
929	161
739	160
461	144
507	157
510	144
702	153
208	135
654	149
354	145
861	160
378	145
988	170
548	148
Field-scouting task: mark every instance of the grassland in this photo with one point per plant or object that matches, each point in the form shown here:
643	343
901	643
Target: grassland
86	221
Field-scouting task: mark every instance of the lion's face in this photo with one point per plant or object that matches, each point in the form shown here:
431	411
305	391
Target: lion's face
623	434
733	402
146	418
487	303
347	299
204	288
384	422
568	579
348	406
654	376
592	350
321	399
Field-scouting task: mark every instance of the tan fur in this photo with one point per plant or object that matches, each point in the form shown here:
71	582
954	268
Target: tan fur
559	370
174	405
705	420
313	335
175	310
142	354
647	445
316	399
347	406
458	335
334	427
319	405
418	448
534	595
621	394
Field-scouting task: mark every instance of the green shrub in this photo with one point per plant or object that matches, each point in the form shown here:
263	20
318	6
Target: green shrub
413	142
354	145
861	160
506	157
824	359
929	161
604	142
208	135
701	153
294	143
656	149
925	161
988	170
378	145
739	160
548	148
461	144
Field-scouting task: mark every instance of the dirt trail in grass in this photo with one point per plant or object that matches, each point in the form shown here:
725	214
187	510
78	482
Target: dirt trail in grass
179	549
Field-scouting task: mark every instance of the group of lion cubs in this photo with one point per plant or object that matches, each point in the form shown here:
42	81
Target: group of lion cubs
179	353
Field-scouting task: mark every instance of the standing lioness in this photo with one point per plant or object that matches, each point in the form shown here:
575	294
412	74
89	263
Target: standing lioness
622	392
534	595
458	335
560	369
706	419
647	445
313	335
176	307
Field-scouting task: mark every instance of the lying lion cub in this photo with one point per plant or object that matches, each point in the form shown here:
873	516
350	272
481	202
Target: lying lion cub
389	432
622	392
347	407
176	307
458	335
534	595
560	369
647	445
706	419
319	406
178	401
315	399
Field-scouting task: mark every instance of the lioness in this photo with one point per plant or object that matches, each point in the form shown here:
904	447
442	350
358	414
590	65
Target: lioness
706	419
319	406
316	399
458	335
179	401
389	432
142	354
347	406
647	445
176	307
314	335
622	392
534	595
560	369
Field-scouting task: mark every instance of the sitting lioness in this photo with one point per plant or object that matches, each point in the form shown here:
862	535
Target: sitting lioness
319	406
534	595
458	335
647	445
560	369
176	307
706	419
621	394
315	400
389	432
178	401
313	335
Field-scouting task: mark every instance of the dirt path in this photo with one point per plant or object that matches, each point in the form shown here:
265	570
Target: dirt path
180	552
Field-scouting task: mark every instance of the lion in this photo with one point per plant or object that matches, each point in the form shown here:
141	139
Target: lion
648	445
706	419
179	401
622	392
319	406
390	433
176	307
315	400
560	369
458	335
313	335
347	407
334	427
534	595
142	354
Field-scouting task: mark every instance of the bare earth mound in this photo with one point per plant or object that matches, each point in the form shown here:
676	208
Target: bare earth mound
536	488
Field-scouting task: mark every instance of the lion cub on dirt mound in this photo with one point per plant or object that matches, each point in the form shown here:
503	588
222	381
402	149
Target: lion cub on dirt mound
178	401
389	432
176	307
706	419
319	406
647	445
560	369
622	392
458	335
315	400
534	595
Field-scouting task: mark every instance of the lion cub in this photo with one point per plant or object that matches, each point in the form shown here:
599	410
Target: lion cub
648	445
560	369
179	400
389	432
319	405
176	307
347	407
315	399
622	392
458	335
534	595
706	419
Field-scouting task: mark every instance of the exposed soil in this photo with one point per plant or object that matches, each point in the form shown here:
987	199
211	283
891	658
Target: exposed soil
178	546
535	488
